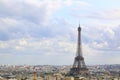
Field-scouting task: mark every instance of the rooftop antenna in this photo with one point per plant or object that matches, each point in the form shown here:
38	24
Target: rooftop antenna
79	22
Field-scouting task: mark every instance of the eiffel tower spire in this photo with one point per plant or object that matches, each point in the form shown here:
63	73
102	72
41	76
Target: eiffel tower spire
79	66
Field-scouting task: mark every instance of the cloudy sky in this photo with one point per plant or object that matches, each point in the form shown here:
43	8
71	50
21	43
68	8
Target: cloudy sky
45	31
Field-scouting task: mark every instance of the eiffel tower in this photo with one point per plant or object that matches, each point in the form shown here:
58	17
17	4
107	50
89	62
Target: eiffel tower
79	68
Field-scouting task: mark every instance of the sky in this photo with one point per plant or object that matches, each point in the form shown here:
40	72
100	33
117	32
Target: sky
44	32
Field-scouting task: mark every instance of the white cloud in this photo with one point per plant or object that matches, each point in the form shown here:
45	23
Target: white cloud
111	33
88	51
33	11
82	3
18	48
9	21
3	45
50	47
68	2
119	47
100	45
112	14
22	42
36	3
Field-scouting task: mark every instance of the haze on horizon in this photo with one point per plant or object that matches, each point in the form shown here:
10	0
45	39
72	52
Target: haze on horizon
45	31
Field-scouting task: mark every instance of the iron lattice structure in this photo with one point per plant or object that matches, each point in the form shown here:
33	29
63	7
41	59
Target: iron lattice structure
79	67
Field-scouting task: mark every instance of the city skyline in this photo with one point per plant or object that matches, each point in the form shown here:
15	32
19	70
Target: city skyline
45	32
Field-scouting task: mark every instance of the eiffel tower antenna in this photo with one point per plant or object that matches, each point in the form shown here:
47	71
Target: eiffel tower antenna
79	23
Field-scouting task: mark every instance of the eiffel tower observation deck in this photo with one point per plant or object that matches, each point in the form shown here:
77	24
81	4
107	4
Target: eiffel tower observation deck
79	68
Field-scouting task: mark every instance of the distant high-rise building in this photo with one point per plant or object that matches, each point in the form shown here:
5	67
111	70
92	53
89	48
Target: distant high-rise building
79	68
